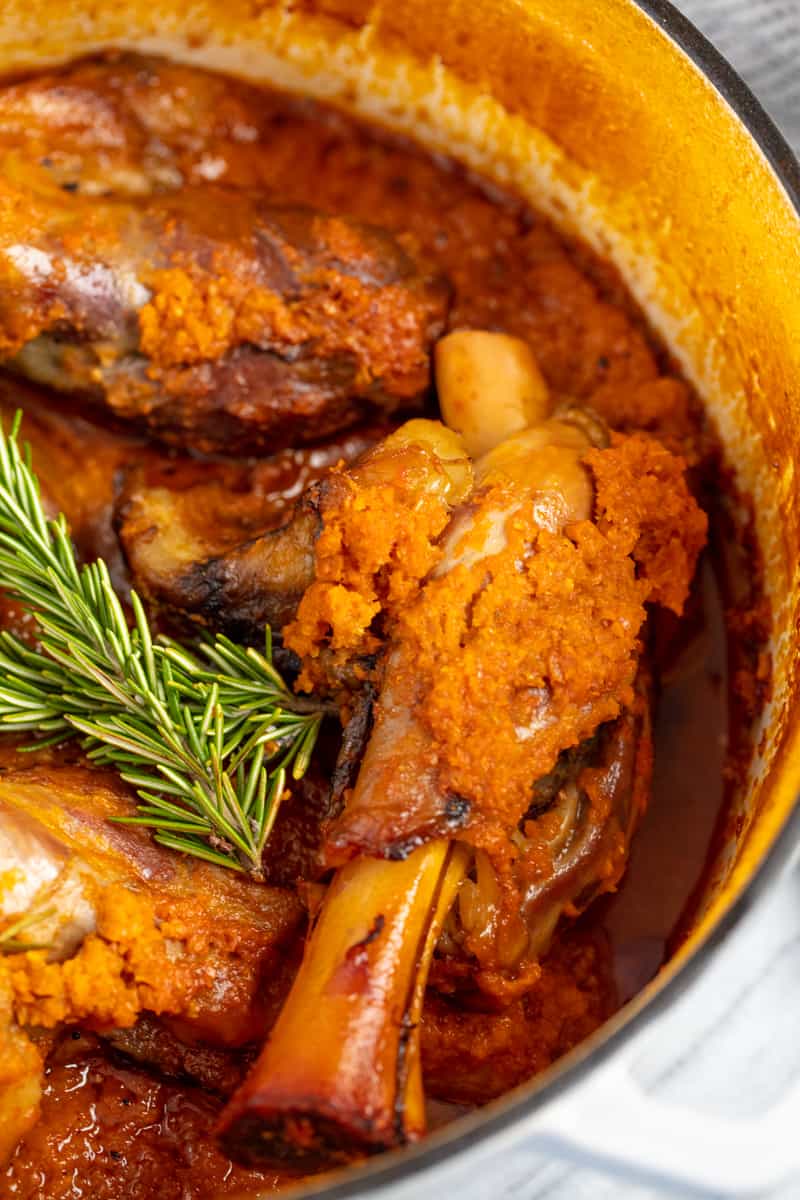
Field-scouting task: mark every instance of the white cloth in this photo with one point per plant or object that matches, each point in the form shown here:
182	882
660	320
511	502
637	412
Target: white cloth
761	39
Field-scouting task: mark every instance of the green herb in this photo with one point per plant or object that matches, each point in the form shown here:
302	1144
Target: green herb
9	940
207	734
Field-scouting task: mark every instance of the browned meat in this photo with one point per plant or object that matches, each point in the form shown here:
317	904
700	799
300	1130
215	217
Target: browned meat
258	583
215	504
210	318
152	1044
366	962
584	815
193	534
136	126
131	926
124	927
182	547
173	512
206	315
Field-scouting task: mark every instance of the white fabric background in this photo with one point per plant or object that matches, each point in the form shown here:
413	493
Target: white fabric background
761	38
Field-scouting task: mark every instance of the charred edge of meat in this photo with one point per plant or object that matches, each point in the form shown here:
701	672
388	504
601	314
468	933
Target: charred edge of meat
546	789
259	583
150	1044
285	660
375	931
399	851
616	750
457	810
293	1139
255	388
221	590
354	742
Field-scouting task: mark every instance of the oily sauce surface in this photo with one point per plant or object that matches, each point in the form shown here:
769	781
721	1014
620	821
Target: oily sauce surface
110	1130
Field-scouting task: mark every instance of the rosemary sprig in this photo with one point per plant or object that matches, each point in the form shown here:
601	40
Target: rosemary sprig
206	734
10	941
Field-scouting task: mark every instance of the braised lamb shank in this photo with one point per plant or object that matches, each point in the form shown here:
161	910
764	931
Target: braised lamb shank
205	315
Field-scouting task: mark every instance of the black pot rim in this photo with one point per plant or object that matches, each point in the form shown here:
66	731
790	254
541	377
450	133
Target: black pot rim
381	1173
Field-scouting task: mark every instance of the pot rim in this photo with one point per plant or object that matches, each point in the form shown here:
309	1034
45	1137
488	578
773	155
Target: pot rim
376	1175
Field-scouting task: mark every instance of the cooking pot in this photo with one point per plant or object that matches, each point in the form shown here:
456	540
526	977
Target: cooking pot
621	123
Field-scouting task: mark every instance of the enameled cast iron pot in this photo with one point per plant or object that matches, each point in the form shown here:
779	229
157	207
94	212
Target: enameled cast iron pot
618	120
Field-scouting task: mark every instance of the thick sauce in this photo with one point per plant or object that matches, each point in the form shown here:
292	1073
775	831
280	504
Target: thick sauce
109	1130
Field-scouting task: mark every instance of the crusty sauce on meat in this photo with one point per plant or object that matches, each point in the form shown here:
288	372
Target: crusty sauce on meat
109	1128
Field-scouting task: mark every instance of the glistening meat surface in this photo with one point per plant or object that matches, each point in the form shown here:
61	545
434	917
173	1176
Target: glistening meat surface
125	927
214	320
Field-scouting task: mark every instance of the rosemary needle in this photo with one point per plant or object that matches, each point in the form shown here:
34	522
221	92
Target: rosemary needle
206	733
11	943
